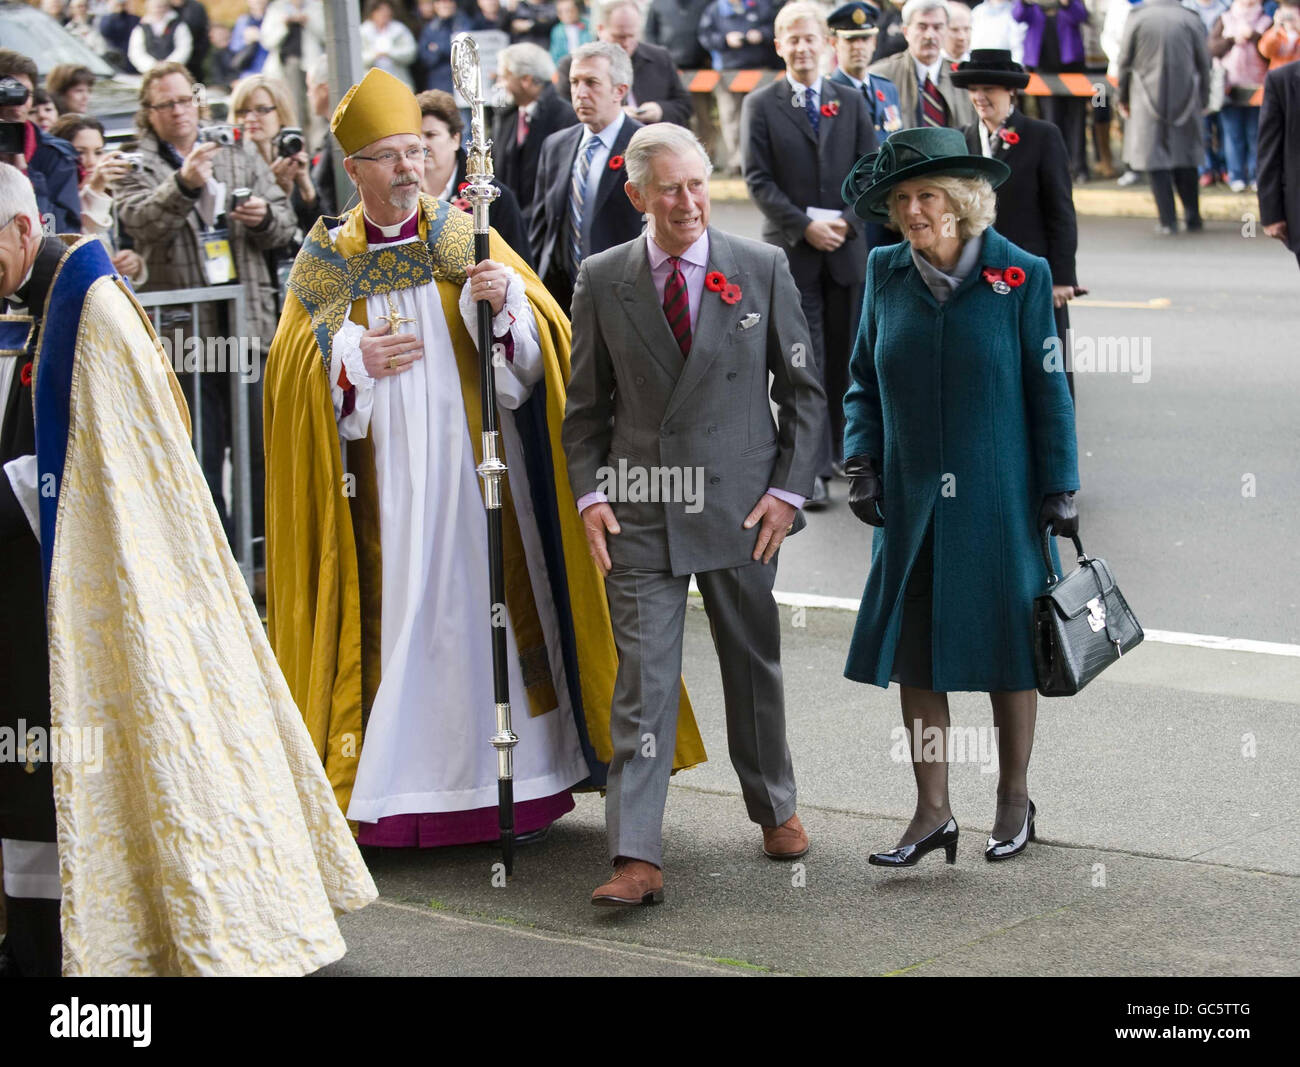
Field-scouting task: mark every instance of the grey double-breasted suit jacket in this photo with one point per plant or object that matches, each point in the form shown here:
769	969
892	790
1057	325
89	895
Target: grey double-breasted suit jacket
632	397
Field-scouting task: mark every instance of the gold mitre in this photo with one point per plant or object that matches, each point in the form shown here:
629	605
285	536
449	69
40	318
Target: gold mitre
376	107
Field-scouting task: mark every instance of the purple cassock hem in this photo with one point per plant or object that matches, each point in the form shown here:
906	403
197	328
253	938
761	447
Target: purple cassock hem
437	829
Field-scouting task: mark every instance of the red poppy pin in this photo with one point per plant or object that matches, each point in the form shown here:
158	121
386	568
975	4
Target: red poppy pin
615	162
831	110
731	294
1009	136
880	95
1003	281
715	281
462	203
25	375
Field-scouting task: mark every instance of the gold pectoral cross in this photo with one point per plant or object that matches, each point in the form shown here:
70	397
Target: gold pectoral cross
395	319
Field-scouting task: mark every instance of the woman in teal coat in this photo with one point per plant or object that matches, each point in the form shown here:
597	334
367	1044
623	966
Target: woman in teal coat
960	429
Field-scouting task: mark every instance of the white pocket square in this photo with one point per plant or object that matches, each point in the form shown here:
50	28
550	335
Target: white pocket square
749	320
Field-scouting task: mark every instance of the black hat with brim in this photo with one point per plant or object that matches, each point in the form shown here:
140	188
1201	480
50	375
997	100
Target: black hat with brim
990	66
915	153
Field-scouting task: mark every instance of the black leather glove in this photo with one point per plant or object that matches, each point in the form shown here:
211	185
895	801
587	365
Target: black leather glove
866	491
1058	512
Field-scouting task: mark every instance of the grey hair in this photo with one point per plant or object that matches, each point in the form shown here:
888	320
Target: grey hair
919	7
527	60
972	200
17	197
620	63
654	140
609	8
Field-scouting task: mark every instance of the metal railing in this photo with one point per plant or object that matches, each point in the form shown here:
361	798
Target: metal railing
241	482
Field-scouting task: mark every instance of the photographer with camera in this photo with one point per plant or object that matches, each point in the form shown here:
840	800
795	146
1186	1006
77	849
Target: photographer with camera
269	127
50	163
202	211
100	170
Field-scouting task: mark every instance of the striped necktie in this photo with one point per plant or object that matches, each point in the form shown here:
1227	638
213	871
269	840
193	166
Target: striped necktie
810	108
677	306
933	109
577	196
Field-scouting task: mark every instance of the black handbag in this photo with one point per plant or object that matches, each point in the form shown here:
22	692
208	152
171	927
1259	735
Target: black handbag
1082	624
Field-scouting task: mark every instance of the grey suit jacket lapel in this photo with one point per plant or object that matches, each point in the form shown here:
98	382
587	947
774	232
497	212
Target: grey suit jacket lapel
715	319
642	307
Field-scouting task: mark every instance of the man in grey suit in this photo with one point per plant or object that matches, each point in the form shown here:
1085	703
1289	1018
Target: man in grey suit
680	469
926	94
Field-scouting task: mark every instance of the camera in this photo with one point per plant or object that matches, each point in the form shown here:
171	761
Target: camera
238	197
13	138
135	159
289	141
222	135
12	92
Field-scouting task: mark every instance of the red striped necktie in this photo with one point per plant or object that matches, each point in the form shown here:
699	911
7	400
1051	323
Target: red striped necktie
677	306
933	108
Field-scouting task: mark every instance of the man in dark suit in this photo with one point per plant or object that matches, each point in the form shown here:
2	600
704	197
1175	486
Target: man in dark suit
675	337
1279	156
1036	203
800	138
526	71
657	93
578	203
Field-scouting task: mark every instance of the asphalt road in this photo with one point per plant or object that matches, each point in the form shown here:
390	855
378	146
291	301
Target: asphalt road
1164	462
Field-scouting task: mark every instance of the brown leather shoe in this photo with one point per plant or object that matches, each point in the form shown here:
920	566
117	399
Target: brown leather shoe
788	841
634	882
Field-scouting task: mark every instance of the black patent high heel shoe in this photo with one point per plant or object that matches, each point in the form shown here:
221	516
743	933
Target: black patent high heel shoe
1004	850
944	837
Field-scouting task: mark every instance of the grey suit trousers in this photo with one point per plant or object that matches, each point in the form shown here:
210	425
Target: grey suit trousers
648	611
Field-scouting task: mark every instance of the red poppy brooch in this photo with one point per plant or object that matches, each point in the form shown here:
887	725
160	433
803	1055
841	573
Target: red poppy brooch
460	201
831	110
716	282
1009	136
25	375
880	95
615	162
1003	281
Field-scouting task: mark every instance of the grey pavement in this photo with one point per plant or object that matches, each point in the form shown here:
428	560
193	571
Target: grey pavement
1164	849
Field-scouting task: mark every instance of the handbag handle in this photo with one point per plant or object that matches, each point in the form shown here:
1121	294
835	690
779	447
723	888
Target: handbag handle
1047	534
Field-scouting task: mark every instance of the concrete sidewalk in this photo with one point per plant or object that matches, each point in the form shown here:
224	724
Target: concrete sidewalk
1096	198
1166	811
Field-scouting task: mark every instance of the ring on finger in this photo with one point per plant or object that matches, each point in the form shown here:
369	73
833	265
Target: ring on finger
392	363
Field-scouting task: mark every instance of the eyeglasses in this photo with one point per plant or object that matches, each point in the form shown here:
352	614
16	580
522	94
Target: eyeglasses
389	159
173	105
261	109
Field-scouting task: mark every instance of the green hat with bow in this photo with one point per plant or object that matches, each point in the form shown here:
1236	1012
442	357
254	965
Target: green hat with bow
914	153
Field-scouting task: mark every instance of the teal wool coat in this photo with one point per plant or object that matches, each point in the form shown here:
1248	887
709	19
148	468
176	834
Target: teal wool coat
974	423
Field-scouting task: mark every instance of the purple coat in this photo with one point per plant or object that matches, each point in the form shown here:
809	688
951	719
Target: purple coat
1068	19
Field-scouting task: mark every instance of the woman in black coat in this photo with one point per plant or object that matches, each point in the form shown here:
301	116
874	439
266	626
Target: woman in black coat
1036	203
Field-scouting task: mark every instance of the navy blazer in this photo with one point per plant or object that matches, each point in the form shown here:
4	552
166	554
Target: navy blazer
789	168
613	218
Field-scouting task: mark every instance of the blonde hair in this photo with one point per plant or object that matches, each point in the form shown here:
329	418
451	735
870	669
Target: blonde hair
797	11
274	88
972	200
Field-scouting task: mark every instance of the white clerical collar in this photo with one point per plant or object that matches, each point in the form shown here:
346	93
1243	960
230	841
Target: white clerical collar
609	134
931	72
395	230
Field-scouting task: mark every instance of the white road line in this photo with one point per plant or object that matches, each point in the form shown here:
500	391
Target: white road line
1164	637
